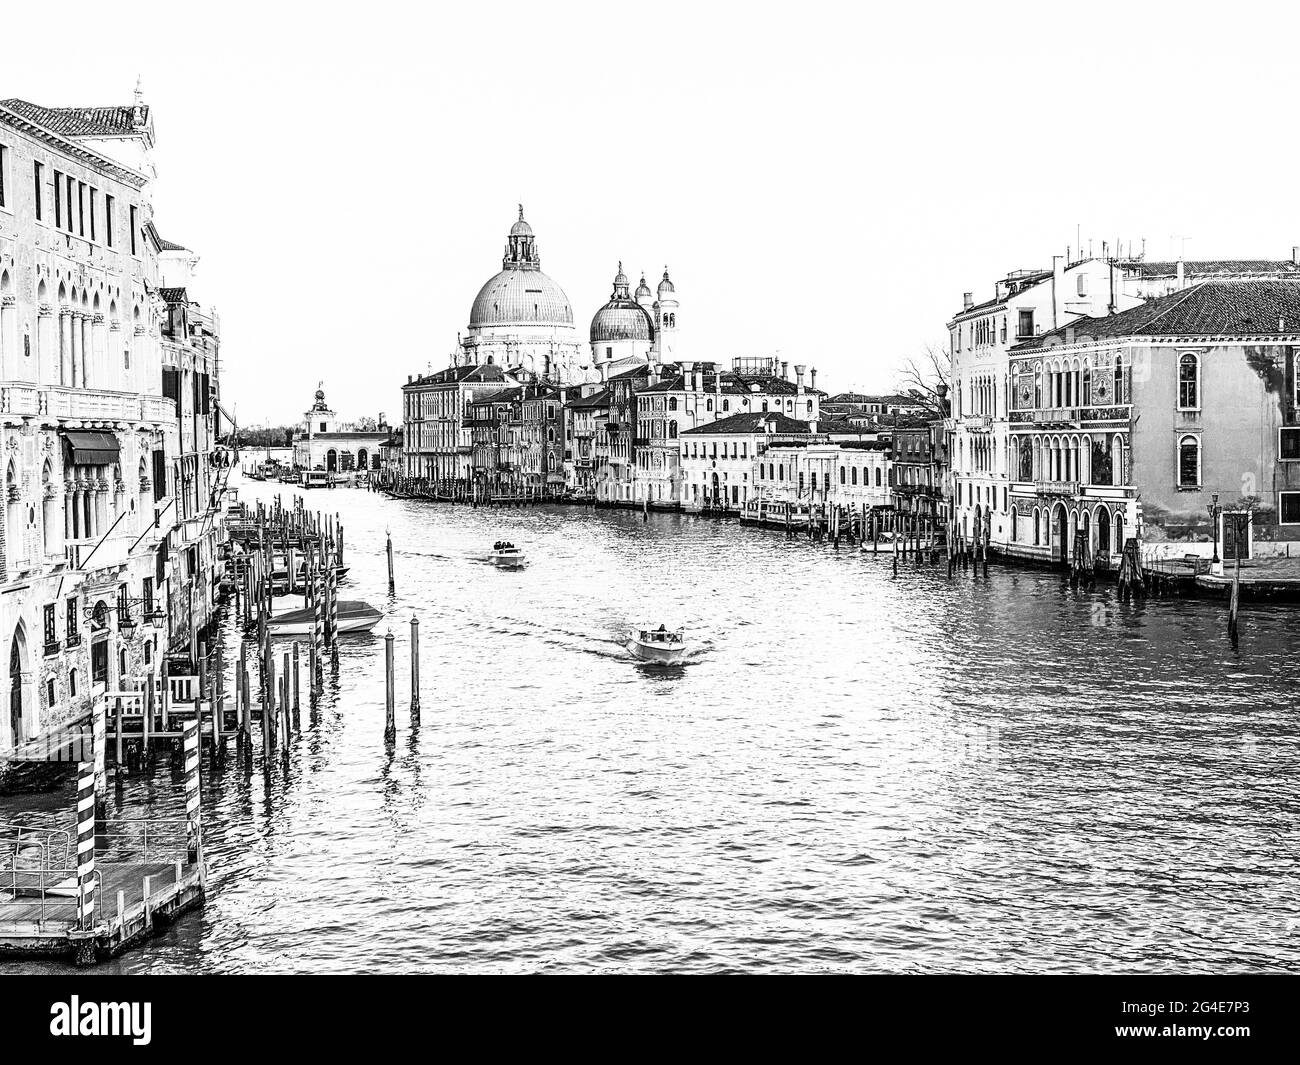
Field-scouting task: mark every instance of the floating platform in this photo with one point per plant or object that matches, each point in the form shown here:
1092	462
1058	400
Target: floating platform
151	896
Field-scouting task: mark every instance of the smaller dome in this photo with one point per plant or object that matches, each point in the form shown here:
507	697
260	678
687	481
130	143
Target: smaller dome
521	228
620	278
642	289
665	285
320	395
621	320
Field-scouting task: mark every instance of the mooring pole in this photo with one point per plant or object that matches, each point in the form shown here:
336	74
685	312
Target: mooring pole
415	670
392	586
390	702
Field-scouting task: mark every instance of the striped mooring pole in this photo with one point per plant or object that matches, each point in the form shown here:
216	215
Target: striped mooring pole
86	844
193	818
99	741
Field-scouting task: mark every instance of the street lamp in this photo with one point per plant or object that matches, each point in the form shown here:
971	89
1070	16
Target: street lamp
1214	509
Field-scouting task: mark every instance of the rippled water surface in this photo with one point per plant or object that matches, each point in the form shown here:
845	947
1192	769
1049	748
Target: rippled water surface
851	772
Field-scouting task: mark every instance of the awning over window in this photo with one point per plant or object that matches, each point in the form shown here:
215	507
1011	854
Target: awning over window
91	449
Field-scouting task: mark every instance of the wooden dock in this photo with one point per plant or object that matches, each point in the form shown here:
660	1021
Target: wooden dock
135	897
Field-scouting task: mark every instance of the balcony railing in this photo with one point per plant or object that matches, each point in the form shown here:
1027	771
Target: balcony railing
84	404
1056	488
977	423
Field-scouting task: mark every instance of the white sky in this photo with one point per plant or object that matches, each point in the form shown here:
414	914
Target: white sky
822	180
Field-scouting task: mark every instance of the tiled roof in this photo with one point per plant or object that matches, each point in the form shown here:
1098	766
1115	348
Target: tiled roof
167	245
740	424
505	395
78	121
174	295
596	399
1212	308
1208	269
460	374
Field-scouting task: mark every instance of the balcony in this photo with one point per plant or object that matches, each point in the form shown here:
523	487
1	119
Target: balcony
1072	417
1056	488
977	423
83	404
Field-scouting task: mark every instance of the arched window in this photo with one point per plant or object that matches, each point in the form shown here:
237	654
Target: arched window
672	430
726	404
1119	379
672	402
844	474
708	404
1013	524
1038	531
1189	382
877	476
1189	462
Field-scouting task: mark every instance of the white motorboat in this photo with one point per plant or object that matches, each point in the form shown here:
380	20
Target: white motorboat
663	645
506	555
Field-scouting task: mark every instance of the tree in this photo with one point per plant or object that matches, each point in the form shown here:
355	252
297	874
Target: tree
929	379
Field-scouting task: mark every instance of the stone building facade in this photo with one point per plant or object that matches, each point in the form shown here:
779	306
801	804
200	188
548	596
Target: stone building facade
107	391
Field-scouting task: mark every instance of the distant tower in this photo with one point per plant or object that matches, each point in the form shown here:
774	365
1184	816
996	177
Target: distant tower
667	320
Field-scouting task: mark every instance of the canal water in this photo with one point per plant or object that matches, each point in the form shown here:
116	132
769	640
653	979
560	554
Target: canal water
851	772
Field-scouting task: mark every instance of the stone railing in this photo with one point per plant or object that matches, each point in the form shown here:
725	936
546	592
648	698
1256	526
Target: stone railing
1056	488
83	404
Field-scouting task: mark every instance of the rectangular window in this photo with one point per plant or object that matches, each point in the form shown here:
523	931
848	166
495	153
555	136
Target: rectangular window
4	168
1026	325
70	187
94	193
1082	284
81	208
109	203
159	475
123	604
38	179
58	200
133	243
1288	444
73	622
51	637
1288	508
146	593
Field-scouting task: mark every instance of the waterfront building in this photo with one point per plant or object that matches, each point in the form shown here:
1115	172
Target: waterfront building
542	438
586	418
1025	303
325	444
717	460
695	394
108	395
914	481
391	455
521	321
437	442
1133	424
613	446
858	405
822	472
491	419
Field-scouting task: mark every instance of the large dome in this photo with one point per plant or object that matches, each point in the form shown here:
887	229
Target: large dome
520	297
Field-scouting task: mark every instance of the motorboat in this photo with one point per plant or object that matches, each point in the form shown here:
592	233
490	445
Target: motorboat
663	645
506	555
354	616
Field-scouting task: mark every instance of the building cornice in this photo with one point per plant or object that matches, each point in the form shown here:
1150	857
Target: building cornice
1200	341
75	150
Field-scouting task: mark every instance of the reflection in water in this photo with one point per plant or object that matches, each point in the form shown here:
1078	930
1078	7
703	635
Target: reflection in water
850	770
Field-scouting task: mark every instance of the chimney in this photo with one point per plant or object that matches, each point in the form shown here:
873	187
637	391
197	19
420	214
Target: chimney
967	300
798	374
812	426
1295	254
717	382
785	370
812	378
1058	290
410	378
1180	274
699	381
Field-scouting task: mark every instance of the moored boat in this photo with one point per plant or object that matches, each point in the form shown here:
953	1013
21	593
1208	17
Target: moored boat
354	616
662	645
